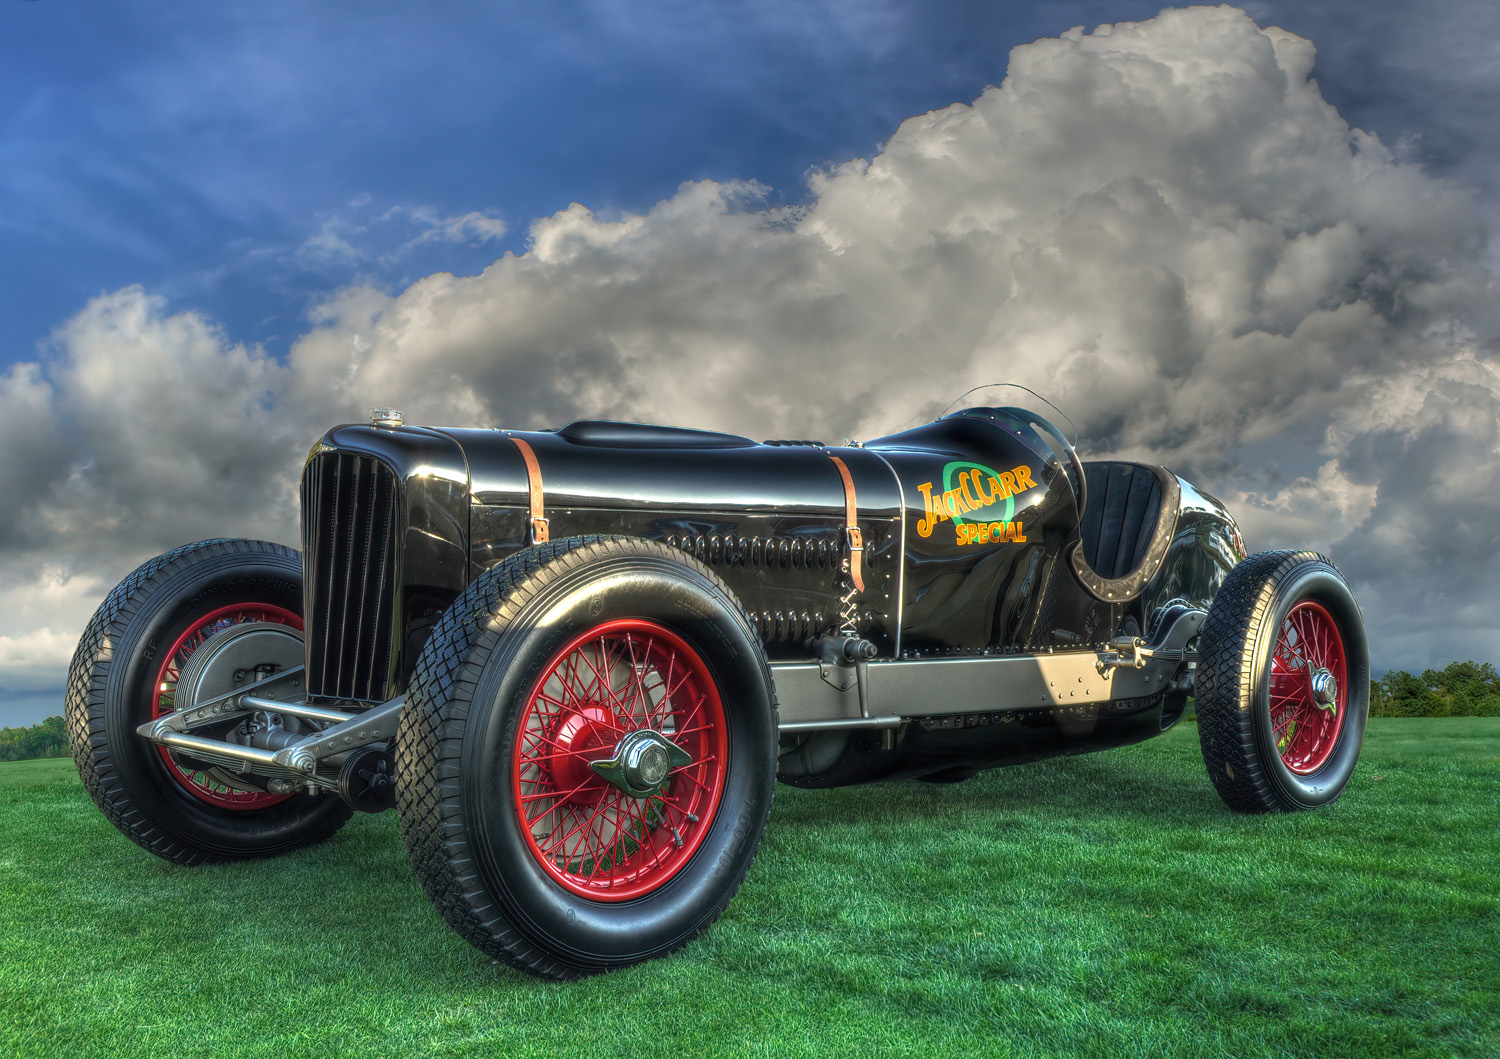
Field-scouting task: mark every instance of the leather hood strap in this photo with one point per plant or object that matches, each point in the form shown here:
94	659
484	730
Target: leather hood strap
852	536
537	523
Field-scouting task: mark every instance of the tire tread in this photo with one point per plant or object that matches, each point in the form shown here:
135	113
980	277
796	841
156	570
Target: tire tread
429	745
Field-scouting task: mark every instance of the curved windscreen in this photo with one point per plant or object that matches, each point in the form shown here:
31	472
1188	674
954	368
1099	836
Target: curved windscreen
1039	435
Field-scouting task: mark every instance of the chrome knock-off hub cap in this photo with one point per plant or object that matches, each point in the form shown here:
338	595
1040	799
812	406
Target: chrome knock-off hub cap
1325	689
642	762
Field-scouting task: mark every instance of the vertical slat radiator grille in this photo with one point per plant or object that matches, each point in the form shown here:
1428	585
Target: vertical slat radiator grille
349	532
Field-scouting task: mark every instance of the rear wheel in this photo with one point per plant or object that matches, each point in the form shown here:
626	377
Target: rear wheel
1282	687
587	755
147	652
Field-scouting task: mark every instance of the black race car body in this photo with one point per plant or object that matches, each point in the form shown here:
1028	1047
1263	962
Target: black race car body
577	661
970	548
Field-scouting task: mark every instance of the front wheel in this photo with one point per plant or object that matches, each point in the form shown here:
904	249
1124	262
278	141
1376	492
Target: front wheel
155	642
587	755
1283	684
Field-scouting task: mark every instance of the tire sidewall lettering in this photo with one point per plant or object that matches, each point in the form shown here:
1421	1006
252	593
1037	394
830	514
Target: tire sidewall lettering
249	586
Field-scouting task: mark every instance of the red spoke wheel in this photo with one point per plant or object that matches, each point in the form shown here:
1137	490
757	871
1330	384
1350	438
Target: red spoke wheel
1282	685
587	755
1308	687
210	785
155	635
594	838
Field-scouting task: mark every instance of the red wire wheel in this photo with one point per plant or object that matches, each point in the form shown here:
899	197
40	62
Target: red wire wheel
203	785
1309	682
1282	686
589	835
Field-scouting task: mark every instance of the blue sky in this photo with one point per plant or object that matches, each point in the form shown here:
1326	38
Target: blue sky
194	148
223	227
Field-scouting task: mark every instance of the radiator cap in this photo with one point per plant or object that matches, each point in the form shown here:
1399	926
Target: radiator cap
387	417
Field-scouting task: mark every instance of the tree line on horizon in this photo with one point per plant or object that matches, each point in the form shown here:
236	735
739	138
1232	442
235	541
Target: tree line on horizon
1460	689
40	740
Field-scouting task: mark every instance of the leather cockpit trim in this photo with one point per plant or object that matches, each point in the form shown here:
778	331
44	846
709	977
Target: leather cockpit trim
1121	589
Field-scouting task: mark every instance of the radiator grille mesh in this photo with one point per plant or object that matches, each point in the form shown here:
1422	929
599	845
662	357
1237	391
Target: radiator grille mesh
349	527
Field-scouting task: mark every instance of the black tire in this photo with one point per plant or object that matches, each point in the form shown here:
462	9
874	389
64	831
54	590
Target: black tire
461	737
109	694
1259	764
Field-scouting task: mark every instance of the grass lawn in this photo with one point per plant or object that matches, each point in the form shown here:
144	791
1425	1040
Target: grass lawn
1096	906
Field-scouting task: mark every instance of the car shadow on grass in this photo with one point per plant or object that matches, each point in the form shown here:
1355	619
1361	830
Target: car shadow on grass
1129	783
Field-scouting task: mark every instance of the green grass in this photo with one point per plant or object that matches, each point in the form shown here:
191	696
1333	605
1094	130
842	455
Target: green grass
1106	905
37	772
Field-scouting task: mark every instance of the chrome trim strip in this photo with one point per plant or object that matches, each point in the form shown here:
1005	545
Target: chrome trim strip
829	726
296	709
901	556
219	751
813	693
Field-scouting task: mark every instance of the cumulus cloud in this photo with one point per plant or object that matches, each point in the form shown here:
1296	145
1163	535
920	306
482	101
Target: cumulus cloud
1160	225
35	657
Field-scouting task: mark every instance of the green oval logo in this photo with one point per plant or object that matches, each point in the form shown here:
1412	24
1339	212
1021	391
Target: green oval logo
973	481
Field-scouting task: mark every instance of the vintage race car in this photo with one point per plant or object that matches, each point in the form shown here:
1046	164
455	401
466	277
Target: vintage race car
577	661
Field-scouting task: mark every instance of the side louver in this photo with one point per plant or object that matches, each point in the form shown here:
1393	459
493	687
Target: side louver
350	523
